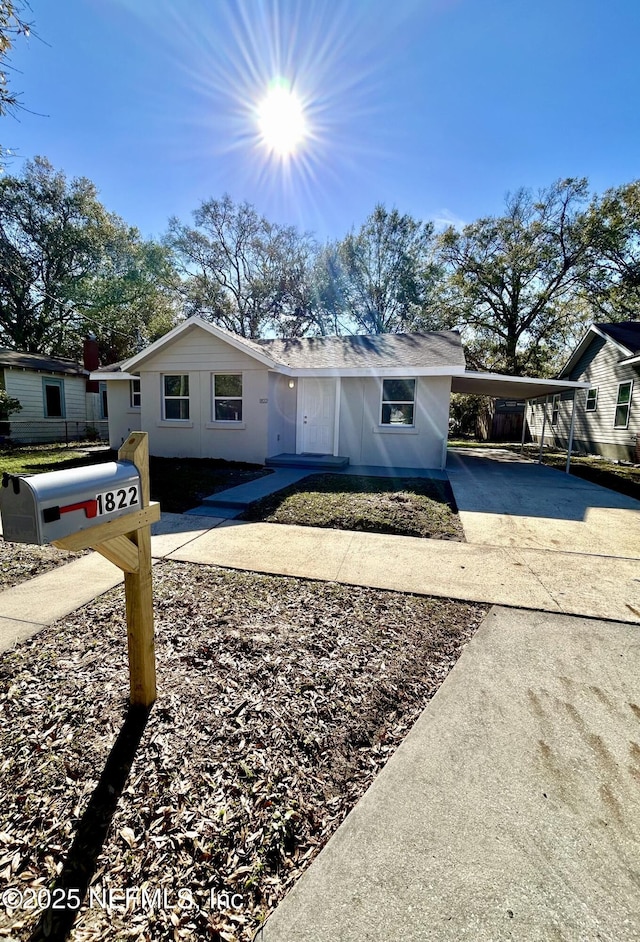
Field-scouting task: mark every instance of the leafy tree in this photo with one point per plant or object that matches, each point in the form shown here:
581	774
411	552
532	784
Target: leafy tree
242	271
612	281
380	279
513	281
68	266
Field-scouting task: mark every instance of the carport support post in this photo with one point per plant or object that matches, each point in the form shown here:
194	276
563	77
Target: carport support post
524	425
571	429
544	426
137	587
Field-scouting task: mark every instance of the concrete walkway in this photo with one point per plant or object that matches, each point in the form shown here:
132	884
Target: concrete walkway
510	812
232	501
572	583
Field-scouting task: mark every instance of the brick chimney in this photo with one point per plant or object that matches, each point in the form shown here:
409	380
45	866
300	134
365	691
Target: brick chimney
90	360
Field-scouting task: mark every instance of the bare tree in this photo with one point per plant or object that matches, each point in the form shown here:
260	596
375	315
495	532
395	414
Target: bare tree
242	271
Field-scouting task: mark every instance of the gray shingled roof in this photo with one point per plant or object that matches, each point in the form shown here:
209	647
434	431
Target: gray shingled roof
34	361
371	351
626	332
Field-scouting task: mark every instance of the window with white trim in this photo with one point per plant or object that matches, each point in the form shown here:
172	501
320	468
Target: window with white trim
227	397
176	397
398	402
555	408
591	401
135	397
623	405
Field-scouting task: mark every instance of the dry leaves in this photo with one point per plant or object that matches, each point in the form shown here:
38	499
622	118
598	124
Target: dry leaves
279	701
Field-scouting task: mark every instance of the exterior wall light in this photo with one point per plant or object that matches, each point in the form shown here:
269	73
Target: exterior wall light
291	384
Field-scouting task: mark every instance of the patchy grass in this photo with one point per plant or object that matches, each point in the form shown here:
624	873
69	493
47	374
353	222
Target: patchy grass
403	506
279	701
34	459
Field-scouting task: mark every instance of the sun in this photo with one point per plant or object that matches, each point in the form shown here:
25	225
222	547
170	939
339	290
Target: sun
281	120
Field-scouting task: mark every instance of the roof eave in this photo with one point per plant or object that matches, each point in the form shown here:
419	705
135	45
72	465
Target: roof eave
102	377
355	371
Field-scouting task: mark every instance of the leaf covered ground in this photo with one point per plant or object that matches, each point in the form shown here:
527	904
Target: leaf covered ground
279	701
402	506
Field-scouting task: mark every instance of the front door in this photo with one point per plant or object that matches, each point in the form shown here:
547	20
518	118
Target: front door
318	413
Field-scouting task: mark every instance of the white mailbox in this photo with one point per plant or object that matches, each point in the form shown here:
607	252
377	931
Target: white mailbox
41	508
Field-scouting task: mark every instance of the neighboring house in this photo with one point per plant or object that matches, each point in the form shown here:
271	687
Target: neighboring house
607	412
59	400
381	400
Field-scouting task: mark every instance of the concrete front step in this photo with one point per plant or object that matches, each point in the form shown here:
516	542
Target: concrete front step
312	462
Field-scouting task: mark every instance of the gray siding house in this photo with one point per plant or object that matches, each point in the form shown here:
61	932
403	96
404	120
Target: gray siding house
607	413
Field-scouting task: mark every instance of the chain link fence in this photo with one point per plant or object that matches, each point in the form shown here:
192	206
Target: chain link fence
52	431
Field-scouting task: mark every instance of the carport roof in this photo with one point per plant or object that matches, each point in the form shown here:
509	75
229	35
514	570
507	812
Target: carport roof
500	386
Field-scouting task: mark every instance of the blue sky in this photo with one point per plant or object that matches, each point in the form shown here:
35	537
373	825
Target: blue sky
437	107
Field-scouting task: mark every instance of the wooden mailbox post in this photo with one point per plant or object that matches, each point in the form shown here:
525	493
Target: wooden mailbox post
126	542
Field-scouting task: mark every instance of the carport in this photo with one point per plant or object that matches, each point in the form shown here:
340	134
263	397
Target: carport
497	385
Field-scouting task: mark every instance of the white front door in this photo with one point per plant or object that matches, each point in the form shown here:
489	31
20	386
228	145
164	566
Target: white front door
317	416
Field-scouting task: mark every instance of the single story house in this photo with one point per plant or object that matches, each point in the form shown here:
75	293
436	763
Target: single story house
59	400
606	419
201	391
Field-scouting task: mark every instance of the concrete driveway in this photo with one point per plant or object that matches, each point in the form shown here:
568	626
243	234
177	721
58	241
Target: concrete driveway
506	500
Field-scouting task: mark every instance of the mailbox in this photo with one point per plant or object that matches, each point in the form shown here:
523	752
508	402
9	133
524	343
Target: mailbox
41	508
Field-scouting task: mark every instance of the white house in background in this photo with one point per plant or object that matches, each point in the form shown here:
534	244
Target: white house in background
607	413
382	400
59	400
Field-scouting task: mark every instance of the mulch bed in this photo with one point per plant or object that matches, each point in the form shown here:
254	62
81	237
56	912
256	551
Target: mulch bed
401	506
279	701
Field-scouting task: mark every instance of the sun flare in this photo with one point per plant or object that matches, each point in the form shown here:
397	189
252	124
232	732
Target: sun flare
281	120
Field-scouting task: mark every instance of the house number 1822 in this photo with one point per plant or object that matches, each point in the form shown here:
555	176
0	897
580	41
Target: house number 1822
117	500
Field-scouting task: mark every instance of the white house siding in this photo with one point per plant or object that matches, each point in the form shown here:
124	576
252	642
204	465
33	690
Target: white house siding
200	355
122	418
31	424
594	432
364	441
283	401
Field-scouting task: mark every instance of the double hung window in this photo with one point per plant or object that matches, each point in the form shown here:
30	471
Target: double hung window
227	397
623	405
398	402
175	397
